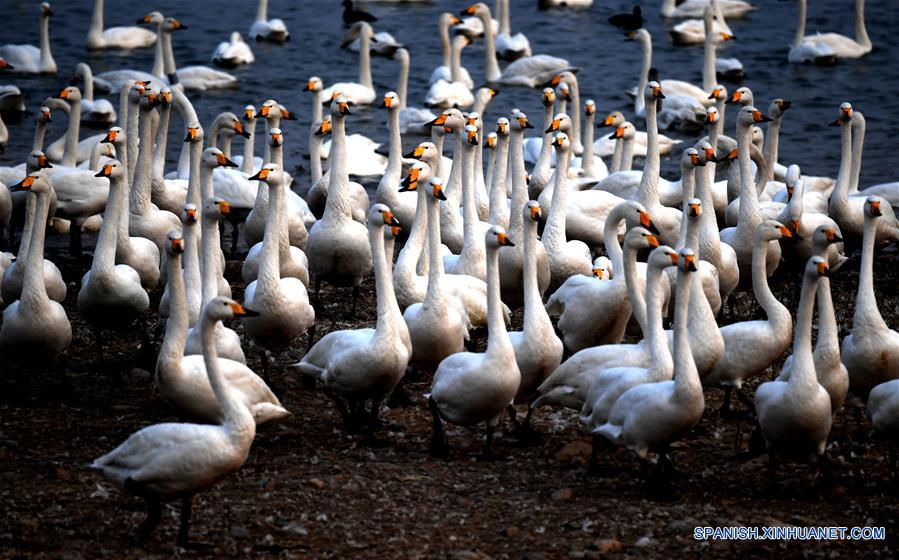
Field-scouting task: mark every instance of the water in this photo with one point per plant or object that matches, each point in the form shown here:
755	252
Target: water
609	66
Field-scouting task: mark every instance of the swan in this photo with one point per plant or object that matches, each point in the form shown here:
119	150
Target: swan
130	37
67	150
111	295
264	29
282	301
166	194
612	382
444	71
99	111
292	260
28	58
692	31
402	205
233	53
805	51
451	223
361	92
750	347
365	364
804	224
605	146
650	417
622	180
481	196
454	92
829	369
470	388
412	119
569	79
11	97
871	351
35	328
470	260
538	351
594	312
114	80
528	71
509	47
795	415
188	293
496	178
840	45
337	247
695	8
166	461
200	78
538	151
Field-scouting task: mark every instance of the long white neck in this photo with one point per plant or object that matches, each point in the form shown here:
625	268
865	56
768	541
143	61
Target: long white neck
87	80
866	312
262	11
236	417
858	145
587	156
403	82
27	227
172	349
437	137
48	65
209	252
315	156
96	28
337	206
800	25
617	152
132	137
408	259
686	378
638	302
709	79
445	47
269	262
535	316
709	237
365	61
647	192
750	216
627	154
640	101
541	171
194	188
660	354
519	183
498	342
470	219
610	236
40	132
502	15
491	66
249	146
169	66
554	232
773	308
33	288
772	142
688	185
390	319
574	90
70	154
317	107
162	137
499	210
840	195
491	168
141	187
158	68
193	282
453	190
803	372
456	63
861	34
273	120
394	170
431	216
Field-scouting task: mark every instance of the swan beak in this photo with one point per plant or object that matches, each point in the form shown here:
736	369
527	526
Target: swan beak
276	138
47	11
524	123
734	154
4	64
599	273
710	156
690	263
177	24
106	171
696	160
224	162
344	108
735	97
263	112
261	176
146	19
631	36
473	138
536	214
758	117
241	311
387	102
783	105
238	128
43	163
177	246
619	133
503	240
410	182
190	215
416	153
469	11
554	126
249	113
714	93
823	269
491	141
875	208
833	236
64	94
324	128
110	137
785	231
439	121
438	192
608	121
549	97
224	207
657	93
695	210
46	115
652	240
390	219
727	37
674	257
23	185
191	134
837	122
310	86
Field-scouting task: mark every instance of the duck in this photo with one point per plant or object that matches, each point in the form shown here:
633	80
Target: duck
94	111
129	37
412	119
403	205
795	414
649	417
365	364
527	71
454	92
282	301
179	460
871	351
111	295
233	53
264	29
470	388
29	59
337	246
444	71
437	326
361	92
35	328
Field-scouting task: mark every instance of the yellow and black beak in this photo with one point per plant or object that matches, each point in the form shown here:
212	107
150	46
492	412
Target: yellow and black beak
438	192
262	175
190	215
224	207
710	155
875	208
490	142
785	231
536	213
263	112
439	121
760	117
524	123
64	94
735	97
191	134
241	311
553	126
823	269
711	117
310	86
6	65
276	138
23	185
549	97
695	210
387	102
469	11
324	128
473	138
110	137
146	19
690	263
619	133
416	153
344	108
783	104
46	115
238	128
176	25
696	160
726	37
410	182
287	115
43	162
503	240
105	171
673	256
652	240
224	162
715	93
177	246
657	92
249	113
833	236
733	154
390	219
608	121
795	225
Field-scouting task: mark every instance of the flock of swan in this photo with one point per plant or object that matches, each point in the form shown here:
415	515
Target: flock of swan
590	247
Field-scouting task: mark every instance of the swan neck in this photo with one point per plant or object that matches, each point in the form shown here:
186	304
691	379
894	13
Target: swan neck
132	138
269	261
491	66
498	341
162	137
502	14
192	278
402	85
315	157
574	90
587	155
772	144
33	288
800	24
760	285
236	417
647	192
249	146
519	183
688	185
803	363
686	376
617	153
169	66
70	154
194	179
395	151
48	65
660	355
96	27
456	64
866	311
262	11
470	218
861	33
640	101
408	259
710	240
499	210
841	188
389	315
142	184
828	334
87	80
445	47
317	108
435	261
365	61
638	303
40	132
534	312
158	68
750	216
554	232
858	144
610	236
172	349
709	79
337	205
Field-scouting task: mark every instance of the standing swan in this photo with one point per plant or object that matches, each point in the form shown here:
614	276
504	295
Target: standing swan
28	58
471	388
35	328
264	29
116	37
167	461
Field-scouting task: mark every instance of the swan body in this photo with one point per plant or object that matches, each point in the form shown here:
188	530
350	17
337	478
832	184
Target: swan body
130	37
264	29
361	92
509	46
233	53
28	58
835	46
695	8
444	71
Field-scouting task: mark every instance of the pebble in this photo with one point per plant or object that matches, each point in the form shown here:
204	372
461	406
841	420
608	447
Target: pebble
239	532
317	482
605	546
510	532
563	494
645	541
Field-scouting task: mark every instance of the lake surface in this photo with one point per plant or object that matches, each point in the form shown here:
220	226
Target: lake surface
609	66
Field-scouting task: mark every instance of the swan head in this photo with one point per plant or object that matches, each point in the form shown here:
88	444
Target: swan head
706	152
792	176
615	118
694	208
215	208
873	207
424	152
561	142
771	230
45	114
222	309
194	133
448	19
817	266
523	122
502	126
45	10
165	96
237	126
653	91
560	123
6	65
687	260
380	214
324	127
490	140
391	101
662	257
641	238
436	184
174	242
359	30
213	157
340	107
564	91
845	114
589	107
418	172
189	214
479	9
34	182
602	268
548	97
532	211
38	159
115	135
149	99
692	158
471	134
827	234
749	116
314	84
136	91
249	113
779	107
641	36
275	137
269	173
718	92
172	24
460	42
624	130
497	237
70	94
742	95
112	170
485	94
712	115
152	17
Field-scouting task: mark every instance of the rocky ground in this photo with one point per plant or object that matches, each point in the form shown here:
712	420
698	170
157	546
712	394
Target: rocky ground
311	490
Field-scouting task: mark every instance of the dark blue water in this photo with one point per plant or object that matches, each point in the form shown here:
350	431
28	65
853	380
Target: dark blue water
608	65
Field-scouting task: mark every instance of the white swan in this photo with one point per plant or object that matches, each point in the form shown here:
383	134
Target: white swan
529	71
35	328
200	78
233	53
130	37
412	119
841	45
114	80
471	388
93	110
264	29
470	260
454	92
28	58
67	150
167	461
692	31
695	8
403	205
508	46
363	91
444	71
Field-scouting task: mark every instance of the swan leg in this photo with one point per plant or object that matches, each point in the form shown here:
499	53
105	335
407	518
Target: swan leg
487	454
824	476
355	300
341	408
75	240
154	508
756	445
593	464
183	540
438	446
513	416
